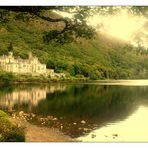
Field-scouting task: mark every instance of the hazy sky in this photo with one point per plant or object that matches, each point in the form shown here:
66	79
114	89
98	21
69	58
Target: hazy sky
124	26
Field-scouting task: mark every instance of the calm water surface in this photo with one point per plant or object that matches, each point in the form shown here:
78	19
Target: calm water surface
110	111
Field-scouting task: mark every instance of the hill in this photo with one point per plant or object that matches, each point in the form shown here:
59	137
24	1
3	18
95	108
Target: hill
99	58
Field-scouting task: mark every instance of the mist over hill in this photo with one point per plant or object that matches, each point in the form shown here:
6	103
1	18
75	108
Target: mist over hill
100	58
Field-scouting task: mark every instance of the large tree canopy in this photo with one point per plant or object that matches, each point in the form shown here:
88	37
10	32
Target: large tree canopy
75	27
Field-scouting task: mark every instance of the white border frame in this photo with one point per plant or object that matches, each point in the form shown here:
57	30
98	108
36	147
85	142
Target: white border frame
72	2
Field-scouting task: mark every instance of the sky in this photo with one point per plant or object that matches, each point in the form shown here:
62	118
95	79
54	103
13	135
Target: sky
123	26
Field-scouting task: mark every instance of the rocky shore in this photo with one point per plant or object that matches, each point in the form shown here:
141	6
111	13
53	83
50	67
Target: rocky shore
36	133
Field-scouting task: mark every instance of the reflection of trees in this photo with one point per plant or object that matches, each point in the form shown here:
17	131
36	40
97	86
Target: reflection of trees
94	104
91	101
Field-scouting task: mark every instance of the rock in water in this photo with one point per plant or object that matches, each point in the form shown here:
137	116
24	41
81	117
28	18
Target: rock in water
93	136
54	119
21	113
50	117
115	135
83	122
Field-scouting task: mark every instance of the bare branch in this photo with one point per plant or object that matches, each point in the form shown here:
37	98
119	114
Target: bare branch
55	20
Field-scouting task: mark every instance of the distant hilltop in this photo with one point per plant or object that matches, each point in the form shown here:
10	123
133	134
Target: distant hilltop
31	66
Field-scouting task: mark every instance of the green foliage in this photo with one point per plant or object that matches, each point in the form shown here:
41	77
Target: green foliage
95	58
6	76
3	114
50	35
4	51
8	131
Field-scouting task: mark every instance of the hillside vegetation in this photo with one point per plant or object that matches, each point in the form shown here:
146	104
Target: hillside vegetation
100	58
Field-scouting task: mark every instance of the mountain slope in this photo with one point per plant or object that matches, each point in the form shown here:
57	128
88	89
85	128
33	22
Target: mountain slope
98	58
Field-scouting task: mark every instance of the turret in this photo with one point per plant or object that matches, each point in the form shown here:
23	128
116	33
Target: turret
30	56
11	54
10	46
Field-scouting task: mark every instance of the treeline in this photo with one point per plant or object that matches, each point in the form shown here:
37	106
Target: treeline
99	71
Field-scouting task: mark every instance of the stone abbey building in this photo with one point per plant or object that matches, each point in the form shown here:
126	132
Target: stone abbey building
22	66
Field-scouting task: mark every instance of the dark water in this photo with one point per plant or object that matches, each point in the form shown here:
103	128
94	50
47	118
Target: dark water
89	112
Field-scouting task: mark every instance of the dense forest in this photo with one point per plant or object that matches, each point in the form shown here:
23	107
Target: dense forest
97	58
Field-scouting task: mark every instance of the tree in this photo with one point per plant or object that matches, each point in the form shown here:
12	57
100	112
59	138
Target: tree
75	27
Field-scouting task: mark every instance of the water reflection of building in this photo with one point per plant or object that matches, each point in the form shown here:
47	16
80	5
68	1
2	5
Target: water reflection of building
31	97
54	88
28	96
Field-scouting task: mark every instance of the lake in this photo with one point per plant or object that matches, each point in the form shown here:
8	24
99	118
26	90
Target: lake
100	111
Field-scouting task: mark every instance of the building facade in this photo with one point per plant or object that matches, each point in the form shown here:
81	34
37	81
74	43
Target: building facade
22	66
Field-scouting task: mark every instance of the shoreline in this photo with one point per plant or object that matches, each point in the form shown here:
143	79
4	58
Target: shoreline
87	81
35	133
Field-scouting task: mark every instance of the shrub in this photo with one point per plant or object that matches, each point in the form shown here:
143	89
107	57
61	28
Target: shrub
8	131
6	76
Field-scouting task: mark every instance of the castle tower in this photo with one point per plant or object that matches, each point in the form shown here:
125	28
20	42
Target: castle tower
10	54
30	56
10	46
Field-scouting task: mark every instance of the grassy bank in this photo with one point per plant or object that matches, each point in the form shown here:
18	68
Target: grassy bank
8	131
8	77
